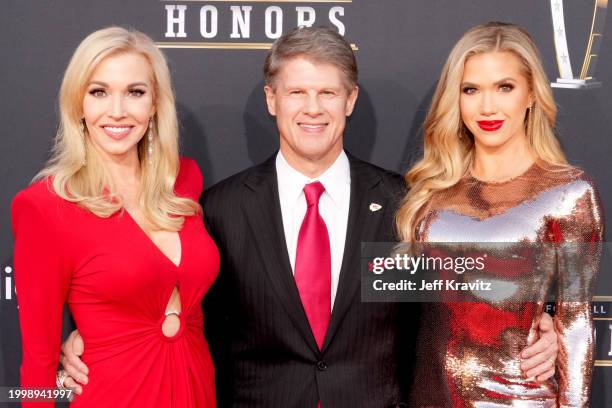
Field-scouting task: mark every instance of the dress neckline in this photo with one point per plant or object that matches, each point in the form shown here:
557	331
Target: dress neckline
534	166
152	243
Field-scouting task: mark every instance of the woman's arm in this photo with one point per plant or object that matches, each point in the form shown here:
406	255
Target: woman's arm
42	283
579	240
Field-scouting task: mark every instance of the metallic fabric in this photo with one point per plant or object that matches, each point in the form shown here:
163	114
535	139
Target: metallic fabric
469	347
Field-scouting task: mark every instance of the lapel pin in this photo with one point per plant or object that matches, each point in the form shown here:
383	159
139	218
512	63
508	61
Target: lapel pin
375	207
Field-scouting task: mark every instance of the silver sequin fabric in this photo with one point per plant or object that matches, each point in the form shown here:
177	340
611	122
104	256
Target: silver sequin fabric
542	225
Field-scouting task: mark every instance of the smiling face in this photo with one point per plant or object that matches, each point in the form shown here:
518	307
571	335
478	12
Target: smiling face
495	97
118	105
311	103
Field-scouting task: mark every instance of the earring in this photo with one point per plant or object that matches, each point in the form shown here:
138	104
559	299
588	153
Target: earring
82	128
530	121
150	142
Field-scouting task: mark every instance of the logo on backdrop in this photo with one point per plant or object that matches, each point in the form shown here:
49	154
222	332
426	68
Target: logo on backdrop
602	315
7	284
220	24
602	319
567	77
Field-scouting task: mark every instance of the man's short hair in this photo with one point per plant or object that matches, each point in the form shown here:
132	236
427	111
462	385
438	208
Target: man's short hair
317	44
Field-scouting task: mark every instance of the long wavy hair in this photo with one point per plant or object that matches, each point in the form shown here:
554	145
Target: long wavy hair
449	145
75	169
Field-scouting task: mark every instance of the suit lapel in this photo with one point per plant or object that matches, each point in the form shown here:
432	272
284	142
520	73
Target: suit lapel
264	217
362	227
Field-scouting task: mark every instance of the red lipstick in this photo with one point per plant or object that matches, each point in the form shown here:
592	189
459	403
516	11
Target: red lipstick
490	125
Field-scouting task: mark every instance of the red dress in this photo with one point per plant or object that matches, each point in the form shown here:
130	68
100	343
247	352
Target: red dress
117	284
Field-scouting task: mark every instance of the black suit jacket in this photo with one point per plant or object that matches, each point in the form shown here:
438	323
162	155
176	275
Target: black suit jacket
265	353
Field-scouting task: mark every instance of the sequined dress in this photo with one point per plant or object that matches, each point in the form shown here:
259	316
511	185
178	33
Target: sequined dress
469	351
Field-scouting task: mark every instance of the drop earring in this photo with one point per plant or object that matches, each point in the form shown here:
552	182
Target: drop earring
150	143
82	128
530	122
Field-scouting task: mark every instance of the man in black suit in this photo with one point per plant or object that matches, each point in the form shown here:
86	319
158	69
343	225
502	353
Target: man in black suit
279	337
272	358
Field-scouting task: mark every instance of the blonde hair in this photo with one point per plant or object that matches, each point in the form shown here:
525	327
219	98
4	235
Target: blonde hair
448	144
89	185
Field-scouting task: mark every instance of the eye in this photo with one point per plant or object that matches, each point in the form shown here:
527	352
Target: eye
506	87
296	92
98	92
328	92
469	90
136	92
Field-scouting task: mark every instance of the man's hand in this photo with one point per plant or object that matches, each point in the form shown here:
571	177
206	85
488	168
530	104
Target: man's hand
539	358
72	350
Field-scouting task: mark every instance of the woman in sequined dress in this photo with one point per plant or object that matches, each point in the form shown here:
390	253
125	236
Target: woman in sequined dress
493	172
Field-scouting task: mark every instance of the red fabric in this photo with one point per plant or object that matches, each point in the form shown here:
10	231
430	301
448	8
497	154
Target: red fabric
313	265
117	284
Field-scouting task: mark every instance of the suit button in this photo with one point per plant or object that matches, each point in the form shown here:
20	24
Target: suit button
321	366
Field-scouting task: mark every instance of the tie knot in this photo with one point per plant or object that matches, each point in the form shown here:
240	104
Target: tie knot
313	192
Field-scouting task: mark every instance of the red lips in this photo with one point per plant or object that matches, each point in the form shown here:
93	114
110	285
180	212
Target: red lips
490	125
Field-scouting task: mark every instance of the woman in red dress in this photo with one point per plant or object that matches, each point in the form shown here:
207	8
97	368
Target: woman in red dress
111	227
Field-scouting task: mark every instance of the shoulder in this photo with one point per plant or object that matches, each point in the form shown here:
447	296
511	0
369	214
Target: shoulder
390	181
232	186
579	202
35	202
581	190
189	181
38	194
574	181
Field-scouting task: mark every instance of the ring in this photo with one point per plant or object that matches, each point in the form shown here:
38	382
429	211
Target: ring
60	377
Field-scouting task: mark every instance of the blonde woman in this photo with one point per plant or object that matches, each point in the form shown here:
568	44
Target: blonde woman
111	226
493	171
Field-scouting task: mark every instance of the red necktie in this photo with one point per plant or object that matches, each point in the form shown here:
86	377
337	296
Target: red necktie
313	265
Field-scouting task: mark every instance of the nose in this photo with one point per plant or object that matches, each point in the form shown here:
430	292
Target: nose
488	104
312	105
117	108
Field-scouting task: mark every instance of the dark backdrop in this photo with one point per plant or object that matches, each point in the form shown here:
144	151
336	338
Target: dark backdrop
225	127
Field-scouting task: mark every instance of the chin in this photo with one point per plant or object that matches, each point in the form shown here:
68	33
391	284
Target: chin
491	141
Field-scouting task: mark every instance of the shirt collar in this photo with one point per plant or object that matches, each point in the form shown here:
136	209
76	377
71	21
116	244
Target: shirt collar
335	179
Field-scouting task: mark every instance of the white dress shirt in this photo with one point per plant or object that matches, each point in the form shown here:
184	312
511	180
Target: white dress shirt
333	207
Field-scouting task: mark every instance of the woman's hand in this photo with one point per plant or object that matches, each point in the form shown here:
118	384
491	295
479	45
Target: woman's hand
539	359
72	350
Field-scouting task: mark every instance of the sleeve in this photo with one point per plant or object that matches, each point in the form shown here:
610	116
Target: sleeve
217	319
42	283
579	240
189	181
